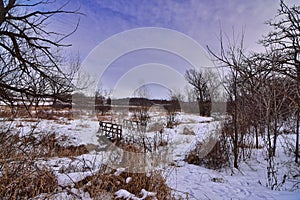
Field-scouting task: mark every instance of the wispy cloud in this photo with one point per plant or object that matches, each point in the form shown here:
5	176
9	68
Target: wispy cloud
199	19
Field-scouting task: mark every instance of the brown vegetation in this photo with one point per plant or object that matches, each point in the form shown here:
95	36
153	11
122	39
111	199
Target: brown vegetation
21	176
103	183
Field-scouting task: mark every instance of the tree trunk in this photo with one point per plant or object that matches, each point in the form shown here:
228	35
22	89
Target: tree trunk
297	64
203	108
200	108
297	138
256	136
269	138
235	121
275	137
235	142
297	112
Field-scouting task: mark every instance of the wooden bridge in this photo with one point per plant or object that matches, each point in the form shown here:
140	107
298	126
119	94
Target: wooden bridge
111	131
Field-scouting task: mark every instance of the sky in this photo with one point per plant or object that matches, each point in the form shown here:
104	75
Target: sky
201	20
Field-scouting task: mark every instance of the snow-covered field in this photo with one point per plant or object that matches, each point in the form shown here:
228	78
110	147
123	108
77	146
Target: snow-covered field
187	180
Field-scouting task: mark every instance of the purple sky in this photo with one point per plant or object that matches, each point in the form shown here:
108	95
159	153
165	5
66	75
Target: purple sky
198	19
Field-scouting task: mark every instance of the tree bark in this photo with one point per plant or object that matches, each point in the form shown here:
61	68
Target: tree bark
297	138
256	137
235	142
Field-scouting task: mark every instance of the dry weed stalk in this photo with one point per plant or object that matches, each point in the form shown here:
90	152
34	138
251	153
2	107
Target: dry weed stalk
20	175
102	183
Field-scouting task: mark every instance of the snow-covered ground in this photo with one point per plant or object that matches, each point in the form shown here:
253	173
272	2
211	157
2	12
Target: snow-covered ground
187	180
202	183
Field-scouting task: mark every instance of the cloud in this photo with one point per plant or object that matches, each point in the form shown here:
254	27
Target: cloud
200	20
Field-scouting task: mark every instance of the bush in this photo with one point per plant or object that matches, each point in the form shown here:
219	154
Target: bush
216	158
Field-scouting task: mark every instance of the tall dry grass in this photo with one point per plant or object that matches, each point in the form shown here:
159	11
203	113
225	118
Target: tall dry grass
20	175
109	182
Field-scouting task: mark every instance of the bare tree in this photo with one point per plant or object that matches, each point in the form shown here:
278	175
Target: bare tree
62	87
233	58
102	100
142	95
213	83
284	40
176	94
188	91
175	98
199	82
29	50
142	92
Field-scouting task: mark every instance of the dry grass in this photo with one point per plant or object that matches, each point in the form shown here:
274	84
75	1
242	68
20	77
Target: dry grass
102	183
21	177
106	181
22	180
43	146
108	118
41	112
54	114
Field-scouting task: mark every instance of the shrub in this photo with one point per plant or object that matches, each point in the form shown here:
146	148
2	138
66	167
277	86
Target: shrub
216	158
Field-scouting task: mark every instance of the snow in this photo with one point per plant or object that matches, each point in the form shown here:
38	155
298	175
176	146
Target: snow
68	179
202	183
147	194
66	195
119	171
125	194
249	182
79	131
128	179
128	196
